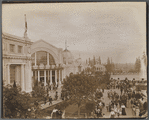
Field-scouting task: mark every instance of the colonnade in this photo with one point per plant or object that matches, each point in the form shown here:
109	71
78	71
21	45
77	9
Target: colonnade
22	75
54	76
49	72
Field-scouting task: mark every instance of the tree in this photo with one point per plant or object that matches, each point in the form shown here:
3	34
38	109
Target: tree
15	103
90	106
99	60
108	65
94	61
39	91
80	87
138	65
89	61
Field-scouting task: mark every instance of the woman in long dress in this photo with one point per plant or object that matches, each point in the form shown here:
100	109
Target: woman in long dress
123	109
137	110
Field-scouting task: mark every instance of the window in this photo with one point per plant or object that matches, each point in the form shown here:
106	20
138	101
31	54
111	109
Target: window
19	49
12	47
5	47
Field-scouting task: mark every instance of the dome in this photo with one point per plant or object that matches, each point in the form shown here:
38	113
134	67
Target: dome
67	57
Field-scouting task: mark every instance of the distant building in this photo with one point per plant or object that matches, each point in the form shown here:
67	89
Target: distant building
100	68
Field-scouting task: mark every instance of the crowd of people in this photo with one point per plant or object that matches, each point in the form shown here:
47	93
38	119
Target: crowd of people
121	94
128	98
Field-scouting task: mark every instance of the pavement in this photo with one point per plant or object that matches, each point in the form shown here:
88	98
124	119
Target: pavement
106	100
54	102
71	110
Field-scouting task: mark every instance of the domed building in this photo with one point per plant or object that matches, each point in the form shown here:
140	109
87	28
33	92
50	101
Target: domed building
69	64
67	57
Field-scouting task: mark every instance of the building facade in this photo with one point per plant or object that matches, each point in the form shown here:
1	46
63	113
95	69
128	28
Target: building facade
47	63
17	61
26	62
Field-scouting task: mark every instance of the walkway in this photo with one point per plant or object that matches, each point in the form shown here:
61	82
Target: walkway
106	100
43	106
54	102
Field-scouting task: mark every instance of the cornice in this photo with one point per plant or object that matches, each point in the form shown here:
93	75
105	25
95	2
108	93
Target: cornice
17	57
16	38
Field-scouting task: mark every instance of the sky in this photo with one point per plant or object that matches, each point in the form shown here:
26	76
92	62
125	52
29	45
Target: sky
116	30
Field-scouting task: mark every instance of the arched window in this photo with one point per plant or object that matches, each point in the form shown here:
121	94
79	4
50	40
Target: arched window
41	57
51	60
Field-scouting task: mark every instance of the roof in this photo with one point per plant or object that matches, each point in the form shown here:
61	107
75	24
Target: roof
46	43
67	54
14	37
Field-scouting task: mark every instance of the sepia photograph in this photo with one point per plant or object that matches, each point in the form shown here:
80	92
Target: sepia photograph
74	60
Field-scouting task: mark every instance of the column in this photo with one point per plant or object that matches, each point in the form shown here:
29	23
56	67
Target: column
38	76
50	77
16	74
22	77
45	78
56	76
35	75
8	67
48	59
64	73
35	58
59	76
29	76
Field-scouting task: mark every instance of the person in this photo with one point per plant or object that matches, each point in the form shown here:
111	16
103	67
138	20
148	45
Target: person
50	100
36	104
103	115
120	102
133	110
99	113
137	110
63	115
49	87
112	114
121	90
123	109
56	95
32	112
103	90
60	114
92	115
110	107
54	113
118	112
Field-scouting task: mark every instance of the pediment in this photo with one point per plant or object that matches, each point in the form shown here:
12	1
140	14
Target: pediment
42	43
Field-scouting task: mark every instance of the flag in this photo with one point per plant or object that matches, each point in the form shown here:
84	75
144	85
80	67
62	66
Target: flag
25	23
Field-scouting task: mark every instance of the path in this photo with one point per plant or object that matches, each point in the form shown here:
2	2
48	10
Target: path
106	100
54	102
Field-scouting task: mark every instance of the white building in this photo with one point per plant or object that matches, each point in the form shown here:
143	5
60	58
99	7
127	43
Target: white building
26	62
17	61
